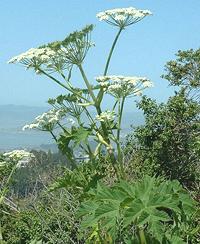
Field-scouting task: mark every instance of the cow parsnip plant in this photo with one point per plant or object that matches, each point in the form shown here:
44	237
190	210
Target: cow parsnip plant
59	59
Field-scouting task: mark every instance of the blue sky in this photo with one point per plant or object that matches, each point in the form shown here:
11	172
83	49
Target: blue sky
143	48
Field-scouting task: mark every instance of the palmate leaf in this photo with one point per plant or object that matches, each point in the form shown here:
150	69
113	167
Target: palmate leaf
149	204
104	208
176	240
187	204
157	230
110	194
87	208
109	211
94	212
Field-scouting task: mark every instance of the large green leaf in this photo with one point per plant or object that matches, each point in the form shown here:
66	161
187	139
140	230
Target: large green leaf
110	194
149	204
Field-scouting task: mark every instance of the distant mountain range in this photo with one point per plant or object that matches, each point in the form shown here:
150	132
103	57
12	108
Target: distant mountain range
14	117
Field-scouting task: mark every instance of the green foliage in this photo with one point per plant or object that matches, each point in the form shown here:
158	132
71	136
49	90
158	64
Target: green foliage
150	209
50	219
41	171
84	177
168	140
185	70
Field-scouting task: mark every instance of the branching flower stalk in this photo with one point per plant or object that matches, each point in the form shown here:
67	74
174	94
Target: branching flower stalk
86	129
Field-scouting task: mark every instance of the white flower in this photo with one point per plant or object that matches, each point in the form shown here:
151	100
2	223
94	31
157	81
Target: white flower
35	57
123	17
17	154
123	86
47	121
147	84
33	53
106	116
22	157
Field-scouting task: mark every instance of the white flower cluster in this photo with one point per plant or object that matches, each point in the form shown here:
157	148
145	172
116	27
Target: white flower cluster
107	116
124	86
47	121
35	57
22	157
43	54
17	154
123	16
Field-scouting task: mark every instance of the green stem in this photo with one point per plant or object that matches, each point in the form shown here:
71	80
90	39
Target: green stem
120	110
87	83
111	50
89	117
98	109
61	84
142	237
54	137
115	104
53	78
120	113
100	94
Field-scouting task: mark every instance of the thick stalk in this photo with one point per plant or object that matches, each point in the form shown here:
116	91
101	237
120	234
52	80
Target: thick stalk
142	237
87	83
120	113
120	110
100	95
98	109
111	51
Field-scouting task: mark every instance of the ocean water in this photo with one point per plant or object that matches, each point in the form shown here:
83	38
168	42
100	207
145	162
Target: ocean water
13	118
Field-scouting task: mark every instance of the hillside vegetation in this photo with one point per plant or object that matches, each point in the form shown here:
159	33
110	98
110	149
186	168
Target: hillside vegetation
101	188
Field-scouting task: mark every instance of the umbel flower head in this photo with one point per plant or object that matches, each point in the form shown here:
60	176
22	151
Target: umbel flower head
22	157
42	57
58	55
77	44
123	86
123	17
47	121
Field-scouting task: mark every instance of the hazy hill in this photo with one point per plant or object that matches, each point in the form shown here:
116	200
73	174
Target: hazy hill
14	117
